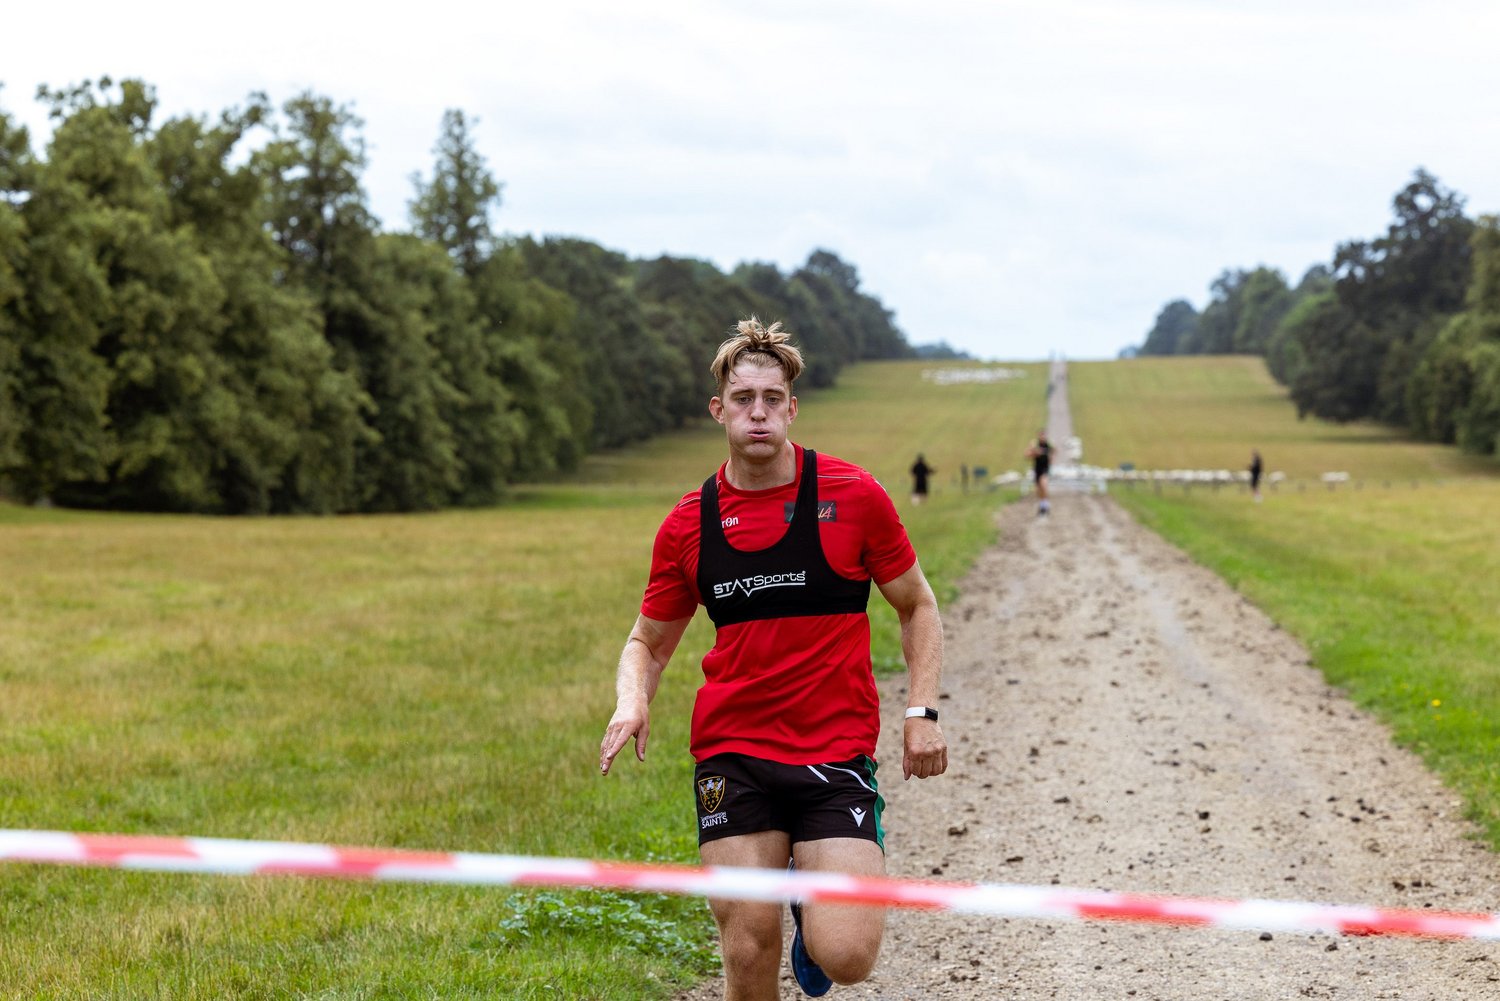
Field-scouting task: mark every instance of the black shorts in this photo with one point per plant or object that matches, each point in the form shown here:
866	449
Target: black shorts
737	794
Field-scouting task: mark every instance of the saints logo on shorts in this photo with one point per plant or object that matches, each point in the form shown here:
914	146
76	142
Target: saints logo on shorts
710	792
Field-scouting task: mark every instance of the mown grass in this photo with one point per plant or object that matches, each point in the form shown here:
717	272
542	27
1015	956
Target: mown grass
431	681
1209	412
1392	580
421	681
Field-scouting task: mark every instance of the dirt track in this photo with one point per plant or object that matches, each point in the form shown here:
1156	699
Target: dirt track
1119	718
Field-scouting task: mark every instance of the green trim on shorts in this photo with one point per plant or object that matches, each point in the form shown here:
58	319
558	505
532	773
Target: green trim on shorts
879	803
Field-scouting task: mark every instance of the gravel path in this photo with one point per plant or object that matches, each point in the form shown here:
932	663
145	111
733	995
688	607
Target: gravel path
1118	718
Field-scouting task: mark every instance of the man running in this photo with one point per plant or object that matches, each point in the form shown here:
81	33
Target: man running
780	546
1040	454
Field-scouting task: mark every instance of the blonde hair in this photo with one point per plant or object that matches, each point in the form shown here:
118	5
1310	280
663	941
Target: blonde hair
761	346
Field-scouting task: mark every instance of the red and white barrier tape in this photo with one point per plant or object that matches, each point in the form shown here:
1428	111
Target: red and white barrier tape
243	858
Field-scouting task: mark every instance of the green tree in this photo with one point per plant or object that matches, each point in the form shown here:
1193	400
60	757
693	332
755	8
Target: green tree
1284	353
1479	423
769	288
377	297
532	409
318	211
403	328
1454	395
833	321
763	279
1174	326
794	302
631	373
1264	301
943	351
290	422
871	329
453	210
500	374
1443	384
1316	279
694	306
16	171
1214	332
120	377
151	274
64	384
157	315
823	287
181	329
1403	286
1332	374
539	362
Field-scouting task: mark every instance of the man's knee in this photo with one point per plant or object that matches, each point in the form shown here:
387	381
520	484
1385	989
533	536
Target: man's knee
749	935
845	961
844	941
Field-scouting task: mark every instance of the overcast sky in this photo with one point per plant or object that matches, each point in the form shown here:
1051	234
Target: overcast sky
1015	178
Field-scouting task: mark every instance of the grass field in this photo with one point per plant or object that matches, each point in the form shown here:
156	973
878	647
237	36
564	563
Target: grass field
1395	589
1208	413
441	681
432	681
1396	594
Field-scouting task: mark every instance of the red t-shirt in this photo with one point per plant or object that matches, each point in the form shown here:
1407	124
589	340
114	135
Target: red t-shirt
798	690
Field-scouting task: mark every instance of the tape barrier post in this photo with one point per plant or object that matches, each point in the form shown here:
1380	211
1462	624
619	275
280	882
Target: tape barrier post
220	856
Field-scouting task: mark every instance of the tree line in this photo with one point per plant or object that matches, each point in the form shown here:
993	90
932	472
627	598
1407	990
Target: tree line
205	316
1402	328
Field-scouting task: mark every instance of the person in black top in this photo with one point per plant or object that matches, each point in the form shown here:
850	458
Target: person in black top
1040	454
920	470
1255	470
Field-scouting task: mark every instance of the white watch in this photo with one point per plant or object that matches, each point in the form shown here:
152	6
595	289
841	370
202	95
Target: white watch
922	712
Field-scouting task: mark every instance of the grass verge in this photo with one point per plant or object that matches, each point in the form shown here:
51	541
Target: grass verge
430	681
1395	593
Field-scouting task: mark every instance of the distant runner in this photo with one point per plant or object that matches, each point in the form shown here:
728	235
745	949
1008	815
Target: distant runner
1255	470
780	546
920	471
1040	454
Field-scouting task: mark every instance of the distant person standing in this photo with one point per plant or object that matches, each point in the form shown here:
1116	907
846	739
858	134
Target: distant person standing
963	473
1256	467
1040	454
920	471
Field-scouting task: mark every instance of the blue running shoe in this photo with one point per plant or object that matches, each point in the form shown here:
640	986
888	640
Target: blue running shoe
810	976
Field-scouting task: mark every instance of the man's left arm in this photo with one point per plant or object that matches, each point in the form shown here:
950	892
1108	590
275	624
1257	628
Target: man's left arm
926	751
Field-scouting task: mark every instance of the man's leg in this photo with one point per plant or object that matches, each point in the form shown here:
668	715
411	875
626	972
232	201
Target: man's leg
749	932
843	939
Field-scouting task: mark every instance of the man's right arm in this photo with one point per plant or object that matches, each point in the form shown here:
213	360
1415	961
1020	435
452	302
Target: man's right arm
644	658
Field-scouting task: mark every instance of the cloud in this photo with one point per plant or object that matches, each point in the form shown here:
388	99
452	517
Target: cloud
1013	177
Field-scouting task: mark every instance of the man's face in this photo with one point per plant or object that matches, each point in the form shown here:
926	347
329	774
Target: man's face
755	408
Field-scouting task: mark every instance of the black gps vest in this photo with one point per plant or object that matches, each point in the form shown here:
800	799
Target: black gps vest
790	577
